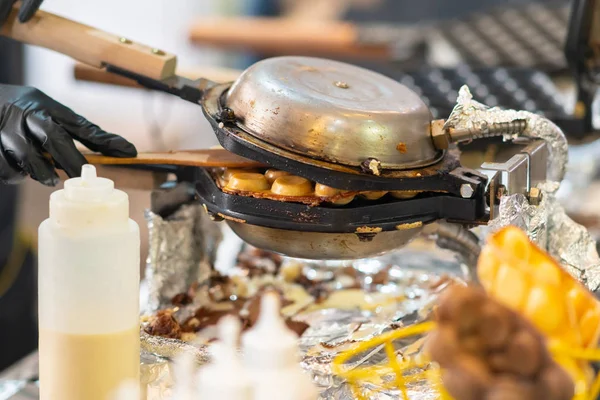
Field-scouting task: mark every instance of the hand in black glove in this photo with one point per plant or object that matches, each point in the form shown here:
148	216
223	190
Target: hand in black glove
27	10
32	123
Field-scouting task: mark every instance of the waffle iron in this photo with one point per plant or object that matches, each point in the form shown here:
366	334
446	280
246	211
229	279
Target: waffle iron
333	124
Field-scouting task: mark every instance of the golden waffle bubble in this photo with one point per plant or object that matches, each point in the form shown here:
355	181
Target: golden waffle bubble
404	194
376	195
525	278
291	185
305	191
273	174
342	201
247	182
326	191
229	172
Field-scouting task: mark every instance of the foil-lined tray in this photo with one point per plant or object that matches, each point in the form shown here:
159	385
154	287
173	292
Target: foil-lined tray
414	278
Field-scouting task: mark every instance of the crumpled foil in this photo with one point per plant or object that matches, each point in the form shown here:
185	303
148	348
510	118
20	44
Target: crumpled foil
182	251
171	348
420	390
155	377
472	115
549	226
416	276
332	331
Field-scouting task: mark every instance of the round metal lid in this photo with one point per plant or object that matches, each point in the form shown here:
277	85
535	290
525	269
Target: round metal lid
333	111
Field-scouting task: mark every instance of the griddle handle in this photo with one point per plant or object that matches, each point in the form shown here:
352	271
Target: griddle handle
89	45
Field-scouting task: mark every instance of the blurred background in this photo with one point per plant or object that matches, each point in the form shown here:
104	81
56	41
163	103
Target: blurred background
401	38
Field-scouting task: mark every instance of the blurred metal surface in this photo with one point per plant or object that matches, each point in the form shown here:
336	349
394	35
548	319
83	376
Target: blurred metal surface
319	245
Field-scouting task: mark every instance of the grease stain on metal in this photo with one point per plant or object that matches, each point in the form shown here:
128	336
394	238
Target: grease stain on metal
401	147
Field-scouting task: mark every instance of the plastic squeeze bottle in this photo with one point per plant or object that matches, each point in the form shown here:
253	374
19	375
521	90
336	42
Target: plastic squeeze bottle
89	342
271	357
225	378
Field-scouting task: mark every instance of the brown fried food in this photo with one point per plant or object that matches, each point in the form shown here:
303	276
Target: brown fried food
164	324
259	262
204	317
487	351
297	326
181	299
510	387
382	277
253	305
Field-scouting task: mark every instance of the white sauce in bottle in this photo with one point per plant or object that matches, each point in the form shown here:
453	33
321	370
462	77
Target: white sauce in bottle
88	291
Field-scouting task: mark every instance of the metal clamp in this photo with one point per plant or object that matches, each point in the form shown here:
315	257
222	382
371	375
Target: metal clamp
523	171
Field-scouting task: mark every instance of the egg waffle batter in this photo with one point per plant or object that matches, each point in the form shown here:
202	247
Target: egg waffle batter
283	186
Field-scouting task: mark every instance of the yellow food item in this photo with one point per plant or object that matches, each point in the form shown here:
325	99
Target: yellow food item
326	191
229	172
248	182
291	185
525	278
376	195
404	194
273	174
342	201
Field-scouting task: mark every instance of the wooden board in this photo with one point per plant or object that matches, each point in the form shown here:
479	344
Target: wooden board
286	36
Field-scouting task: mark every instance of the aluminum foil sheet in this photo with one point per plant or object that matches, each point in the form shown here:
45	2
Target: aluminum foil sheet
421	390
182	252
415	276
549	226
471	115
171	348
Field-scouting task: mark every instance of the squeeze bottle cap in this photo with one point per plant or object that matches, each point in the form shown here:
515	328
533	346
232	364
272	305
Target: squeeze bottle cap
224	377
89	187
89	201
270	344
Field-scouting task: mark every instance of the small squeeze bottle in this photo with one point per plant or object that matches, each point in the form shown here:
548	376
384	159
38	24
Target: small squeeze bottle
88	291
271	357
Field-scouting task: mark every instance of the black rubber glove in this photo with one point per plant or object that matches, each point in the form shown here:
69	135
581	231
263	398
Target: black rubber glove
32	123
27	10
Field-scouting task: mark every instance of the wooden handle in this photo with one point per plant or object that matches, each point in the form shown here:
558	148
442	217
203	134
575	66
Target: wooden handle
84	72
275	36
89	45
217	158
